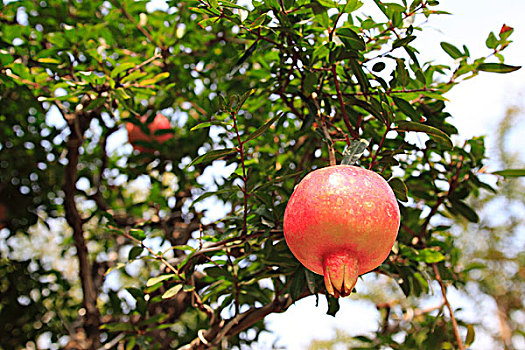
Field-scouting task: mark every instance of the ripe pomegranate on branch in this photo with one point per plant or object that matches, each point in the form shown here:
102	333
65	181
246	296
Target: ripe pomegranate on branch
136	134
341	222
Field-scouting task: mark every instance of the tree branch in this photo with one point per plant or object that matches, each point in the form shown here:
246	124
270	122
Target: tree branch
224	329
455	327
73	218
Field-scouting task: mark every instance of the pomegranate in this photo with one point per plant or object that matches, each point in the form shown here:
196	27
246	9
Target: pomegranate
135	134
341	221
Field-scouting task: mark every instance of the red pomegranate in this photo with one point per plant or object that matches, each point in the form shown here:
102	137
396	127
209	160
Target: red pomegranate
341	221
135	134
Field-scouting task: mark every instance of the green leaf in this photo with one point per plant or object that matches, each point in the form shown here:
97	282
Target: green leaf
137	233
510	172
403	41
352	5
354	151
310	280
492	41
172	291
211	155
121	68
48	60
429	256
118	266
263	128
471	335
379	66
232	5
406	108
351	39
135	252
310	81
436	134
209	194
131	343
208	124
497	68
258	22
154	280
451	50
118	327
399	188
402	75
466	211
297	283
155	79
327	3
360	75
333	305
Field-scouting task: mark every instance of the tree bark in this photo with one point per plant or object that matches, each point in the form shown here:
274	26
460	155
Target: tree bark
91	317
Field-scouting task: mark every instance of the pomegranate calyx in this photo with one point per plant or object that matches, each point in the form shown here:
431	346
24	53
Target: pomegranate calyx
341	270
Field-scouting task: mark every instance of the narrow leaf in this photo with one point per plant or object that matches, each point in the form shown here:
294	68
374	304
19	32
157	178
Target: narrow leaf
497	68
379	66
115	267
399	188
360	75
354	151
263	128
406	108
137	233
451	50
466	211
433	132
471	335
211	155
310	280
121	68
333	305
510	172
258	22
48	60
154	280
135	252
208	124
155	79
429	256
351	39
403	41
172	291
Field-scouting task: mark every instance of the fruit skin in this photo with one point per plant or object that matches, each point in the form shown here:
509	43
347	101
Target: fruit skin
135	134
340	222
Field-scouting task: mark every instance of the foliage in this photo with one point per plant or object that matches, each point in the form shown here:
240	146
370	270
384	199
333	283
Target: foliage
267	92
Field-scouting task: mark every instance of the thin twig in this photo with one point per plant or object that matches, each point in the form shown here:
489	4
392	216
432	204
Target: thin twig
342	104
379	147
455	327
244	189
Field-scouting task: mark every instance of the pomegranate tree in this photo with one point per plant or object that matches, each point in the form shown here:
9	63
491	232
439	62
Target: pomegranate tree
135	133
341	221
